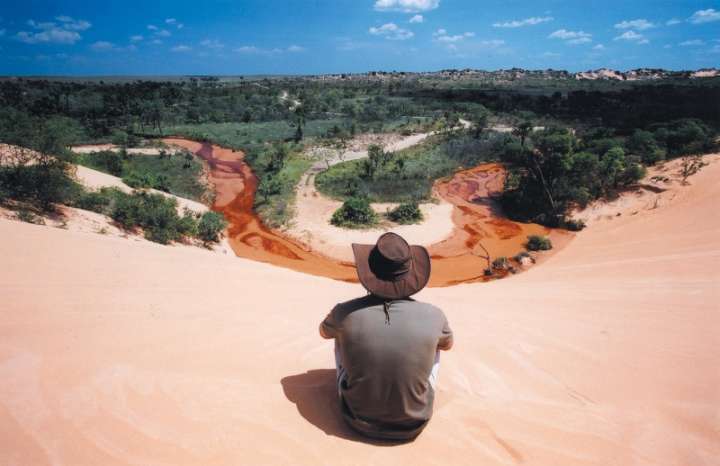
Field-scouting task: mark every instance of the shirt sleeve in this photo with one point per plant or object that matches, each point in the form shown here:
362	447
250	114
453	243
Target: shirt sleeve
446	335
330	325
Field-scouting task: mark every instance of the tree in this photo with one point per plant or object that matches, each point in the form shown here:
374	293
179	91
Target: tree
523	130
210	226
479	121
612	164
690	165
269	186
299	122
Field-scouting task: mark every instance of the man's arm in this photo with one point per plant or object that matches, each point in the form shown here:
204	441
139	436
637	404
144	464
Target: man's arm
323	332
328	327
446	337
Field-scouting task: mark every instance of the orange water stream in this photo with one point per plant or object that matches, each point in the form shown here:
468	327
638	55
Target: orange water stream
480	230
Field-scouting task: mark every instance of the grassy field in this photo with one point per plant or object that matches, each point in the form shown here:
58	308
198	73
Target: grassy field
409	174
178	174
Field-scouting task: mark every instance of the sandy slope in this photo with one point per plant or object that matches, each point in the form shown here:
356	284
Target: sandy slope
114	352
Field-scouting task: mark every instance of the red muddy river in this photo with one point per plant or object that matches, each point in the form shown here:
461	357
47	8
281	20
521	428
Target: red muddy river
480	230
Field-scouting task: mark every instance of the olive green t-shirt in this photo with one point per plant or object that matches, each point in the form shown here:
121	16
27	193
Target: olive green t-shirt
388	359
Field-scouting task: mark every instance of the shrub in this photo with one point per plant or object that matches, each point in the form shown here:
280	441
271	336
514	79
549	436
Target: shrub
43	184
355	212
573	224
520	256
27	216
406	213
500	263
95	201
210	226
538	243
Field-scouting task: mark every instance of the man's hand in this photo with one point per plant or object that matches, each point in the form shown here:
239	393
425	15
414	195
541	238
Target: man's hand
446	344
323	333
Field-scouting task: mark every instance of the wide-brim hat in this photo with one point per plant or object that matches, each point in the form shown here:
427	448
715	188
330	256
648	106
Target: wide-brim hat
391	268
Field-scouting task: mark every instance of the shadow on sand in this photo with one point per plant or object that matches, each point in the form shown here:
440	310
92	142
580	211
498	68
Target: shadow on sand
315	396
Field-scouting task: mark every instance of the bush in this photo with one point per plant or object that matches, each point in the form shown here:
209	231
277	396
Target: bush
27	216
43	184
210	226
538	243
95	201
500	263
572	224
355	212
406	213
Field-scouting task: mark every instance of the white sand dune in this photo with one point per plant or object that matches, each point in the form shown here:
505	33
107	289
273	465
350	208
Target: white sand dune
115	352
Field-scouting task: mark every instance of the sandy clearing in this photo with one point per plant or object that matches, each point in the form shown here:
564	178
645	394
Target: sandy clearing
119	353
90	148
311	219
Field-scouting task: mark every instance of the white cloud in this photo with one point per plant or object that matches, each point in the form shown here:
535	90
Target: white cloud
551	55
295	48
667	46
152	27
212	44
247	49
64	32
639	24
2	32
523	22
73	24
705	16
599	47
417	19
672	22
572	37
391	31
56	36
441	35
181	48
632	36
136	38
156	42
407	6
174	22
492	43
692	43
163	33
102	45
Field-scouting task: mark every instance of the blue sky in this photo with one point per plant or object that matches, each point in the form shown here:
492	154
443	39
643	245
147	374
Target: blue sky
40	37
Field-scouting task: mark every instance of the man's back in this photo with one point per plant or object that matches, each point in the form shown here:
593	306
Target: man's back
387	354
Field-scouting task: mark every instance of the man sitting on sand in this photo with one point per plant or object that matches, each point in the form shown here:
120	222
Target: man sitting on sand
387	344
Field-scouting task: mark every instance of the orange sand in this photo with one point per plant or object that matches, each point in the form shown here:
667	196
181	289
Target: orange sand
461	258
123	353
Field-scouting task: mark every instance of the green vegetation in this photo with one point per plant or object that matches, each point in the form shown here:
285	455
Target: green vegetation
178	174
557	171
354	213
408	175
156	214
538	243
406	213
239	135
210	226
279	168
617	129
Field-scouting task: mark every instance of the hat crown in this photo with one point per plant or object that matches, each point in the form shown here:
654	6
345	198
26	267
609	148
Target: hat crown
393	248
